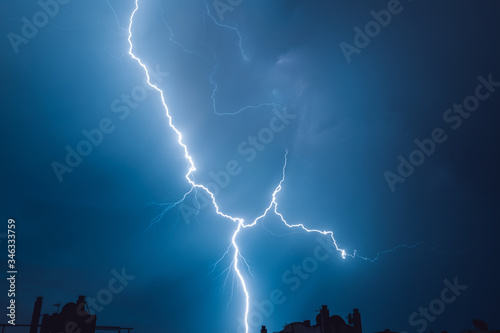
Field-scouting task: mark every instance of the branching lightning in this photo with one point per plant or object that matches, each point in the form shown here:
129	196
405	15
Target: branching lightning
238	263
230	28
192	167
213	57
176	42
169	206
248	107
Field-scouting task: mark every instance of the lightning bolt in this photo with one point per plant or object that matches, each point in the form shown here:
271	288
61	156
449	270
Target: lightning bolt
230	28
248	107
274	207
212	80
245	57
238	262
175	41
191	167
116	17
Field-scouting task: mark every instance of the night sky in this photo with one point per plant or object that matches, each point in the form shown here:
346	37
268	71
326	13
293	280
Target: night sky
389	112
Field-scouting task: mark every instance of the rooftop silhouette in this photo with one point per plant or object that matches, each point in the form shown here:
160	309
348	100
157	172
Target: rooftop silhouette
74	317
336	324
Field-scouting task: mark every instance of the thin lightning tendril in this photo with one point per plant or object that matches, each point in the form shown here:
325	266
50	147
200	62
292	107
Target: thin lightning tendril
248	107
230	28
116	17
216	66
172	38
169	206
237	259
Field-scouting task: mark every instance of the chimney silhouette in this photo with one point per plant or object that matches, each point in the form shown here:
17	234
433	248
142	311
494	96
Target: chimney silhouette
81	299
35	319
356	318
263	329
322	319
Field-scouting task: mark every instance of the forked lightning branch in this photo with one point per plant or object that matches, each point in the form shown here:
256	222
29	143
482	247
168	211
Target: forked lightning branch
238	263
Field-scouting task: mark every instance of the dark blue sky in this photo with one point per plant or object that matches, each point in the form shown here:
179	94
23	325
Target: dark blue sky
358	104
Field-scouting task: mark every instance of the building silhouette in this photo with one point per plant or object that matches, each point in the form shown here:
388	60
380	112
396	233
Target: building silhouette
325	324
74	317
335	324
480	327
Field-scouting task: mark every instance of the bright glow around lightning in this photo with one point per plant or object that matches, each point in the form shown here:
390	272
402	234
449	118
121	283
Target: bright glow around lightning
238	261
